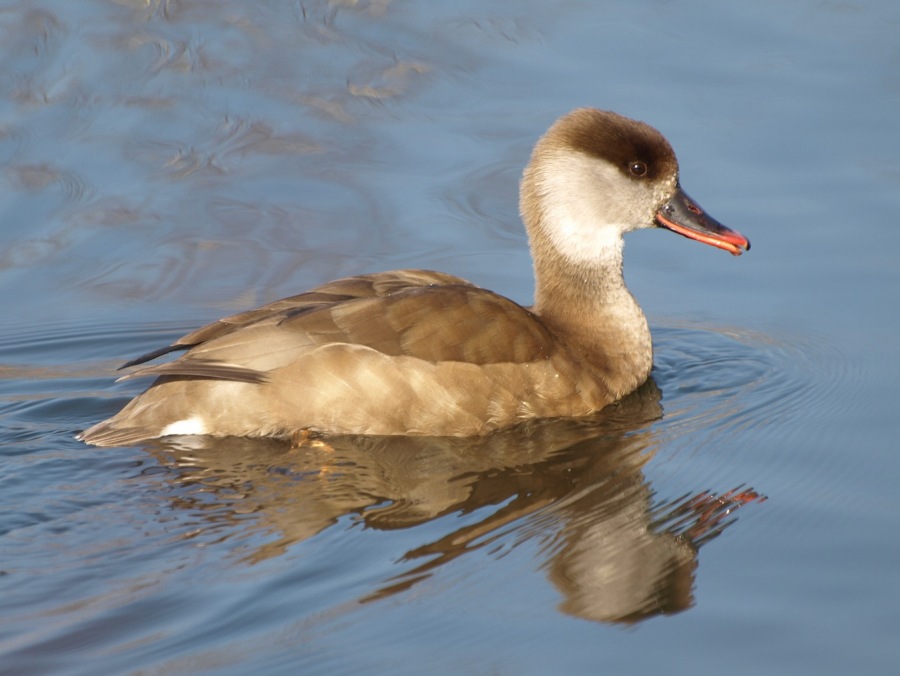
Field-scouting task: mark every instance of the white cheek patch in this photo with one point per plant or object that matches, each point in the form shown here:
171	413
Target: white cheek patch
583	241
189	426
588	206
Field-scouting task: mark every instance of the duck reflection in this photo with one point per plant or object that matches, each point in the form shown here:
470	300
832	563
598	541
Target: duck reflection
614	551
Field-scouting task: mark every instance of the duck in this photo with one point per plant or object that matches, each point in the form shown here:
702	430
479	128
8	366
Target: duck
425	353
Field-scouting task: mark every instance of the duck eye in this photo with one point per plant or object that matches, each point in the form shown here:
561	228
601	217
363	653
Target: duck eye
638	168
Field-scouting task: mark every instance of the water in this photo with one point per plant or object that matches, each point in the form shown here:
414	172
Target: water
167	163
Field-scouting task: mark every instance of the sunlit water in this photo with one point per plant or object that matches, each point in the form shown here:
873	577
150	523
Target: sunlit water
167	163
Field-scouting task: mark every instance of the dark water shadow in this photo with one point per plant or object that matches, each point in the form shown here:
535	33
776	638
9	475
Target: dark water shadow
613	549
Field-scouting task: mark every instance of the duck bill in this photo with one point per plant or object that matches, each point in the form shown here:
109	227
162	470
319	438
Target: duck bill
683	215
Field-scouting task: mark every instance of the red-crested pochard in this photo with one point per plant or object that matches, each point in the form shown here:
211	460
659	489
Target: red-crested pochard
414	352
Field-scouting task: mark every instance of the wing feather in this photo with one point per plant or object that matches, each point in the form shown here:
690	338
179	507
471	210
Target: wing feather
431	316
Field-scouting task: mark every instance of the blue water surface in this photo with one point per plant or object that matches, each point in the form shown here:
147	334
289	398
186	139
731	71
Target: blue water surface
167	163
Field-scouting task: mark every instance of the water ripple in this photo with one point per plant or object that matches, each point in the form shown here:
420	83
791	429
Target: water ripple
486	196
723	386
14	141
39	177
739	378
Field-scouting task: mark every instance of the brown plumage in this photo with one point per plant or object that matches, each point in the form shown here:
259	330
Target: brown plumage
427	353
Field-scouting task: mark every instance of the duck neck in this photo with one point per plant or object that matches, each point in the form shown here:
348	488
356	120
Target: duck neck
591	308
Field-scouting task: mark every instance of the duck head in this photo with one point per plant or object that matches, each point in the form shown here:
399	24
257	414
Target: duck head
596	175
